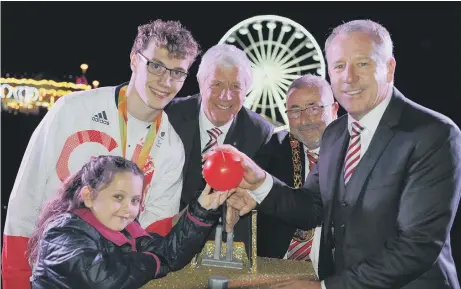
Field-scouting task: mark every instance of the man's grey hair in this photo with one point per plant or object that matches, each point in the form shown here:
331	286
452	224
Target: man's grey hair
376	31
312	81
225	56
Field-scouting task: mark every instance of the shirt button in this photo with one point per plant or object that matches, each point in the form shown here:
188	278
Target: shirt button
343	204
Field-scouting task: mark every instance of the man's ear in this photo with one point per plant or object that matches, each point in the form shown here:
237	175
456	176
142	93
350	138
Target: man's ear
133	61
391	69
87	196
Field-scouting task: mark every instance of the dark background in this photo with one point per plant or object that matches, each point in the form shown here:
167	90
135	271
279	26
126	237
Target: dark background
52	39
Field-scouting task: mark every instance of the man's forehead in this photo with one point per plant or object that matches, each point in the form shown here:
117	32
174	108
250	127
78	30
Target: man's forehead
310	94
225	73
357	44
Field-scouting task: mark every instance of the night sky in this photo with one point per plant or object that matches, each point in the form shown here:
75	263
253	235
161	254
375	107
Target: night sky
53	38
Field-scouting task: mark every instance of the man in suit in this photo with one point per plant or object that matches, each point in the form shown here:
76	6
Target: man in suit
387	183
216	116
291	156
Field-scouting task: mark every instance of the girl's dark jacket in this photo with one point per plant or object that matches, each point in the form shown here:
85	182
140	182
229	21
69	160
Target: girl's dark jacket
77	251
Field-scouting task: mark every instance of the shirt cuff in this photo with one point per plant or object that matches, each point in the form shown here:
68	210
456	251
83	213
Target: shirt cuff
260	193
323	285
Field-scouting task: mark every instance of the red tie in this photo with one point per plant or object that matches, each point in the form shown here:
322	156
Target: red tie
214	133
300	250
312	159
353	151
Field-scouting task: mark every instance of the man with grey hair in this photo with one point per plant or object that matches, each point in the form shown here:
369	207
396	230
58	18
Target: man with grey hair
291	156
387	184
216	116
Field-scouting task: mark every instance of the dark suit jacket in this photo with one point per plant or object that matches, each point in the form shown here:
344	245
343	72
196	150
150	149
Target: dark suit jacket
406	191
274	235
249	132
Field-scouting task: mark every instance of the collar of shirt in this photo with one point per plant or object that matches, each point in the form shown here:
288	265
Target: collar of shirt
205	124
137	122
371	120
315	151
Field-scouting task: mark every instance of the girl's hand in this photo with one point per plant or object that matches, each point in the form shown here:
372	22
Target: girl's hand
212	201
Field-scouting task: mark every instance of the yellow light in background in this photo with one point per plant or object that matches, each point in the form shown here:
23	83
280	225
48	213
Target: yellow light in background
95	83
43	82
49	92
84	67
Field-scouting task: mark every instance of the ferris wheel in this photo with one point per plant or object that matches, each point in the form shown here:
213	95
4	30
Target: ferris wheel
281	50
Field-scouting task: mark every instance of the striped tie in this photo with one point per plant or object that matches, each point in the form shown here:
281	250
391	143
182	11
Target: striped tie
300	250
312	159
353	151
214	133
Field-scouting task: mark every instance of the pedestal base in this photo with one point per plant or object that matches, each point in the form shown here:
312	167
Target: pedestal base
234	261
270	271
222	262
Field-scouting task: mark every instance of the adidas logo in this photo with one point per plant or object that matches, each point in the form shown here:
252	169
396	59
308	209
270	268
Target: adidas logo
101	117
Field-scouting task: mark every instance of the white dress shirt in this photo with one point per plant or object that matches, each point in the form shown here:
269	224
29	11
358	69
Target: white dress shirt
315	246
369	122
205	124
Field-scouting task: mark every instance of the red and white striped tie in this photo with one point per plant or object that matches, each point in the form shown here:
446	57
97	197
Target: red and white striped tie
353	151
214	133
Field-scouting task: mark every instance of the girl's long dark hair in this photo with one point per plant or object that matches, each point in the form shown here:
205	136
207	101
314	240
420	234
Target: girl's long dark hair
96	174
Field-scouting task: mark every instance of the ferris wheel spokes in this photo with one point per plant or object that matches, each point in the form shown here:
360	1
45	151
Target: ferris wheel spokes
252	42
264	101
285	48
284	84
269	39
253	98
255	61
261	40
279	40
272	106
297	60
301	68
279	97
292	53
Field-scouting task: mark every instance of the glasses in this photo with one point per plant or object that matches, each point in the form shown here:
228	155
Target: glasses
313	110
159	70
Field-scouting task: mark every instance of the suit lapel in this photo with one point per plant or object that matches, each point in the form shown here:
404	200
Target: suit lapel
332	158
186	123
236	134
378	144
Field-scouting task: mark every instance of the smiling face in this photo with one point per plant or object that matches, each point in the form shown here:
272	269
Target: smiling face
156	91
360	76
117	205
309	128
223	93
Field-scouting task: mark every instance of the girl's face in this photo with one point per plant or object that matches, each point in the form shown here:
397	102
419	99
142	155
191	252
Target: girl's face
117	205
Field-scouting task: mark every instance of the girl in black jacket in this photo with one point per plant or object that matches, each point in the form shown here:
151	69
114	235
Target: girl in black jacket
88	237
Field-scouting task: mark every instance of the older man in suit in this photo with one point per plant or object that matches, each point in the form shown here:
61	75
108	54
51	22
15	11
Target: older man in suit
290	158
387	183
216	116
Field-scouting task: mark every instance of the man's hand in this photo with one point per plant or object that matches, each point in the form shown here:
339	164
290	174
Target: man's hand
297	284
232	218
253	176
242	202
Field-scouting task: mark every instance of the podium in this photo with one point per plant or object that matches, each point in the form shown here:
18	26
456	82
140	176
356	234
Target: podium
270	271
253	272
